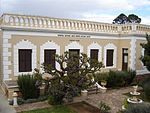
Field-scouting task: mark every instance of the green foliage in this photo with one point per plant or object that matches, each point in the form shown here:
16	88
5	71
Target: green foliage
22	101
146	87
138	108
125	103
101	76
146	58
53	109
103	107
130	76
120	78
27	86
134	18
56	93
144	80
73	76
53	100
123	19
116	78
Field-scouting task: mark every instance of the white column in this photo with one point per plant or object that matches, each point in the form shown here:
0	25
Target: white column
133	53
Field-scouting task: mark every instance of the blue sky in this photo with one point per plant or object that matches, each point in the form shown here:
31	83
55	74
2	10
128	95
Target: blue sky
94	10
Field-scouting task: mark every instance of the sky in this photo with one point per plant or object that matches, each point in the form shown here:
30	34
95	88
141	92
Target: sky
92	10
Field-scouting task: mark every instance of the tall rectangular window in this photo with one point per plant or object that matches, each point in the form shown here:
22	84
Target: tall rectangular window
49	57
25	60
94	54
109	59
73	60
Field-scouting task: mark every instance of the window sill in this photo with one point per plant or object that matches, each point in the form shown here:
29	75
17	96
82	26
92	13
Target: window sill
109	67
20	73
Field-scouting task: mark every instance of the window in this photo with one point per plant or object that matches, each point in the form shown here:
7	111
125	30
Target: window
94	54
49	57
124	59
74	55
25	60
74	52
73	63
109	57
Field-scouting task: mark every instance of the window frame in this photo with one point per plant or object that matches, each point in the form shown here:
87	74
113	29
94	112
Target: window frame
108	63
54	50
110	46
25	60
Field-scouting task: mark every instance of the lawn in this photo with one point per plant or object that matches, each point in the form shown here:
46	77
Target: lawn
55	109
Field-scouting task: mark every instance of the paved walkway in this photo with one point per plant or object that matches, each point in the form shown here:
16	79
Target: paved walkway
114	98
4	106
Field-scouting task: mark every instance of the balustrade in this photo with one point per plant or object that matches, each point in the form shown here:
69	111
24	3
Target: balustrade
46	22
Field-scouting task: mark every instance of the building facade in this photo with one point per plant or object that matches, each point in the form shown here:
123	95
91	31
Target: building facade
27	41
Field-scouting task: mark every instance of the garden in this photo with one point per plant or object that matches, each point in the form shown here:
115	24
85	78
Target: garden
61	88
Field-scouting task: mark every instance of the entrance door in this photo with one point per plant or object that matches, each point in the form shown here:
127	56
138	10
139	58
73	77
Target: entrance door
124	59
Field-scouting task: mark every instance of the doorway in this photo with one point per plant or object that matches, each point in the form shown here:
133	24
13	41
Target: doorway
124	59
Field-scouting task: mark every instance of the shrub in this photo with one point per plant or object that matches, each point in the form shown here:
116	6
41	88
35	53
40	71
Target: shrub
27	86
145	80
146	88
56	93
120	78
103	107
116	79
125	103
20	101
55	99
130	75
139	108
101	76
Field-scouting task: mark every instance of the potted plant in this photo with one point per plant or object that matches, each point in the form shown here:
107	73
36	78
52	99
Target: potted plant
84	93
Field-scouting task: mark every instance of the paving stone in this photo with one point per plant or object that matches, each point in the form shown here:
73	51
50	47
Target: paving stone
114	98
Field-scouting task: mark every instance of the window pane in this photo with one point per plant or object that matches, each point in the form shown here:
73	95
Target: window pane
94	54
25	60
49	57
109	60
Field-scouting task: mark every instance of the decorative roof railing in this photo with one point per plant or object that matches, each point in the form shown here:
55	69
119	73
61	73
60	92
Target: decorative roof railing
40	22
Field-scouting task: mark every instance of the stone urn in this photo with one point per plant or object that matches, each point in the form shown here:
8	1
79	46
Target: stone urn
135	87
103	83
84	93
103	89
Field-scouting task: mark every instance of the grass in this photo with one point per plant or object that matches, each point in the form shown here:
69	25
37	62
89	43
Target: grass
55	109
